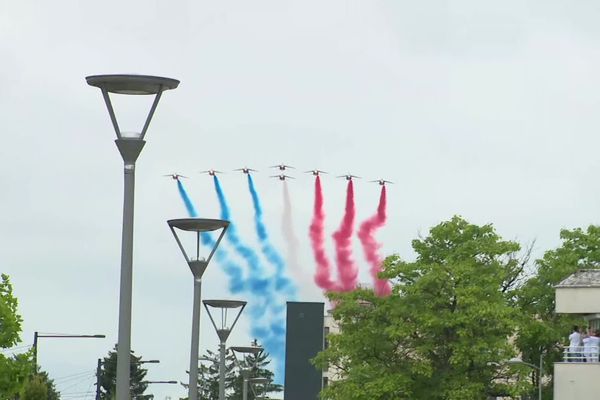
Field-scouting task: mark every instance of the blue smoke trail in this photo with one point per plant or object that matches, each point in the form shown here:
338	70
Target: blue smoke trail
261	289
233	270
285	289
189	206
255	283
282	282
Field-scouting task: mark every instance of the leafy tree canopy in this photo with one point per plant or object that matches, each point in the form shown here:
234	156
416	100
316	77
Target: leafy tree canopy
441	333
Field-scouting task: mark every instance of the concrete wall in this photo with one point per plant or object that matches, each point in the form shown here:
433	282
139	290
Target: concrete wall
577	300
576	381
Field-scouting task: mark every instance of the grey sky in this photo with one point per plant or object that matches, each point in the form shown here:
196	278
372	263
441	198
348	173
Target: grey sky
484	109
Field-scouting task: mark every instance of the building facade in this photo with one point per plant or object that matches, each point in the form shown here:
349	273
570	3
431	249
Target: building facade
579	294
304	340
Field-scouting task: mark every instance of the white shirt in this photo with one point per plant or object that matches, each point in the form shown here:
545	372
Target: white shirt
574	342
593	343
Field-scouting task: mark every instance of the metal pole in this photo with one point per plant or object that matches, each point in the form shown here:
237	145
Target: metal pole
222	372
130	150
195	352
540	376
98	373
35	344
245	387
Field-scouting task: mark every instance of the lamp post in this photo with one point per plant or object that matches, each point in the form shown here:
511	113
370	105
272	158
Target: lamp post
197	226
245	369
539	370
37	335
223	331
130	146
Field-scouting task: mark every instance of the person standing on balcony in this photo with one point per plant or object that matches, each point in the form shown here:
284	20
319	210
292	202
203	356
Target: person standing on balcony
591	344
575	345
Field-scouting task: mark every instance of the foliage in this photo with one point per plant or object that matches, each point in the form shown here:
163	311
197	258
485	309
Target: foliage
34	389
53	394
541	330
442	332
15	369
108	377
10	320
257	364
14	372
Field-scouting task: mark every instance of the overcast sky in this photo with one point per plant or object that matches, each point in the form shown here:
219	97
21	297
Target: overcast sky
484	109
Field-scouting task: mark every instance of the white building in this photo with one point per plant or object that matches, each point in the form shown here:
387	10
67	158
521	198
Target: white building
578	294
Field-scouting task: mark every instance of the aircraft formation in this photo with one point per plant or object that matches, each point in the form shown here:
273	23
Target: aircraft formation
282	176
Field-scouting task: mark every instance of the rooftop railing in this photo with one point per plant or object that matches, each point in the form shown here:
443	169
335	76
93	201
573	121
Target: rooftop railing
581	354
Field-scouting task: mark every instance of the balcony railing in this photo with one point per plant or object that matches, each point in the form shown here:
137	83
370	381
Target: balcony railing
581	354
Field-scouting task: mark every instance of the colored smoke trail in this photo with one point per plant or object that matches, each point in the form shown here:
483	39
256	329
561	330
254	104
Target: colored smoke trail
347	269
285	289
230	267
255	283
282	283
287	228
317	237
189	206
262	308
366	233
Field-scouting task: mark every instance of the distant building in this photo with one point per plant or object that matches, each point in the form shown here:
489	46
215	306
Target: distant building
578	294
304	340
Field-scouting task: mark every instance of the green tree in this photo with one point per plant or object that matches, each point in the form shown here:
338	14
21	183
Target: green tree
444	331
34	389
258	365
208	375
53	394
108	377
542	331
14	370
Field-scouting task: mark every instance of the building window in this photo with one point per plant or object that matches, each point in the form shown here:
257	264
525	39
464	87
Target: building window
325	381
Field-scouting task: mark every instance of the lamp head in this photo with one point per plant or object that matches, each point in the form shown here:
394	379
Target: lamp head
198	227
124	84
132	84
223	329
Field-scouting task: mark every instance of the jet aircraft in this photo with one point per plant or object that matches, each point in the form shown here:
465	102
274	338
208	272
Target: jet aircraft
246	170
349	177
282	177
211	172
282	167
315	172
175	176
382	182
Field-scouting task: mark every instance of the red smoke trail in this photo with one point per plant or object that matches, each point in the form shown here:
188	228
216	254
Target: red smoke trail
366	233
317	237
347	269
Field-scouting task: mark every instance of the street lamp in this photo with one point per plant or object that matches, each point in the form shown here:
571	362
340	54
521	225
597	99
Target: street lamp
197	265
37	335
223	331
245	369
256	383
167	382
539	370
130	146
